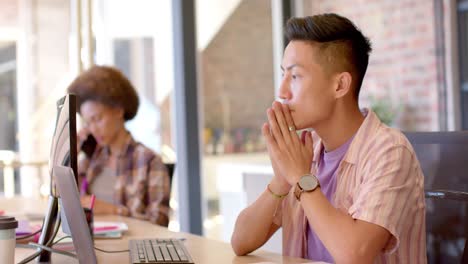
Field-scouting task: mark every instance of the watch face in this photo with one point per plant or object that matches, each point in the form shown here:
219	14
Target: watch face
308	182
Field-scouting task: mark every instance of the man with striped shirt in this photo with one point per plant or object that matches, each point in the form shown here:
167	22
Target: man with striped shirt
352	191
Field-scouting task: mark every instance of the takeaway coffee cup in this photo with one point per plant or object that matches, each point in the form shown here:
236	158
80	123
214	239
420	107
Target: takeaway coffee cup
8	224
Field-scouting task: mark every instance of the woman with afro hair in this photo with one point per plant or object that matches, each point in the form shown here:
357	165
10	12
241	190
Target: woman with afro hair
126	177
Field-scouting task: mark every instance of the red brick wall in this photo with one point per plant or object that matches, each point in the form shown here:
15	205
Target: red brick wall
403	62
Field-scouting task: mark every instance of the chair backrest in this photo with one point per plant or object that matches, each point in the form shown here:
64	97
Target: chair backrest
170	170
442	156
453	196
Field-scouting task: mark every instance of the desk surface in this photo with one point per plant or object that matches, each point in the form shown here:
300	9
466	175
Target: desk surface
202	250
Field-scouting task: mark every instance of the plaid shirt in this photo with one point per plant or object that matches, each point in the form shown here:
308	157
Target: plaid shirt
142	184
379	181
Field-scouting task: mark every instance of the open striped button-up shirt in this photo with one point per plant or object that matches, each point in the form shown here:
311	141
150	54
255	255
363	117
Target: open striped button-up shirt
142	184
379	181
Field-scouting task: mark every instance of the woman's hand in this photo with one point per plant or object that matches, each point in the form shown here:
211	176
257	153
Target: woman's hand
291	156
83	134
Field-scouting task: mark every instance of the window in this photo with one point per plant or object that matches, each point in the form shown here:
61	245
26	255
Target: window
237	86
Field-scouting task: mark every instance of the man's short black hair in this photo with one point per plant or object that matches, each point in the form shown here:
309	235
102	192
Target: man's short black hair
342	45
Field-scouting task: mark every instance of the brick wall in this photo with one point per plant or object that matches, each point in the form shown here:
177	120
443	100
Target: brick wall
237	71
402	65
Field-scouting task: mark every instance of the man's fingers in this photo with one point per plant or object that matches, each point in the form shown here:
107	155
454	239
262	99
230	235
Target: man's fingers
281	119
267	134
275	129
287	115
291	126
271	144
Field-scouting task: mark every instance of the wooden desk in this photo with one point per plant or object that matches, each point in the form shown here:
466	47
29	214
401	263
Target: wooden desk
202	250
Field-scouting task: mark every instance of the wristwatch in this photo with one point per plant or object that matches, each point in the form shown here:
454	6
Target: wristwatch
306	183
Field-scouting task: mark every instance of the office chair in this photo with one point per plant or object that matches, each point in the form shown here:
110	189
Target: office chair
442	156
452	196
170	170
166	201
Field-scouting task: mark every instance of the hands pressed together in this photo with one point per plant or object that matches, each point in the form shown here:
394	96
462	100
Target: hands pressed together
291	156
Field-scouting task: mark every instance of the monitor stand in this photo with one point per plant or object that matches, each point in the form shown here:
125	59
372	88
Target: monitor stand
48	228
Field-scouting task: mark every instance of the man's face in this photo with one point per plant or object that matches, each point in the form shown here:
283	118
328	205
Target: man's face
307	88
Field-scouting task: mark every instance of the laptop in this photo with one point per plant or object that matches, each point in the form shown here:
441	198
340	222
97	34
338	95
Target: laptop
141	250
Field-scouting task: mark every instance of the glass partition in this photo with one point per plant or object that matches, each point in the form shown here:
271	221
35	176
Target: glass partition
237	86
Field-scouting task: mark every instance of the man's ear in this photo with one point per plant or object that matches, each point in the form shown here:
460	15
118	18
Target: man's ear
343	87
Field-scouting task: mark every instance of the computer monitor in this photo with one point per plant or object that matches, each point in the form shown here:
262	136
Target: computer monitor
63	152
74	215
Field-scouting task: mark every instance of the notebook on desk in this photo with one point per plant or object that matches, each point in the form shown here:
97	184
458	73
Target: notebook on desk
141	251
109	230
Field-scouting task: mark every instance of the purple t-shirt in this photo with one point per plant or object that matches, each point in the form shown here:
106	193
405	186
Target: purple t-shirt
329	162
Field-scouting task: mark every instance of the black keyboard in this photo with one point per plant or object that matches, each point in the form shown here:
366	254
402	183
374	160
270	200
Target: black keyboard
158	251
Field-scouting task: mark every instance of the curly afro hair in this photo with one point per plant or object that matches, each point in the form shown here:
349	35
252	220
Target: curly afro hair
106	85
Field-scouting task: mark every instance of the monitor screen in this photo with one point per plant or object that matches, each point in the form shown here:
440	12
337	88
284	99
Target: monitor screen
63	150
